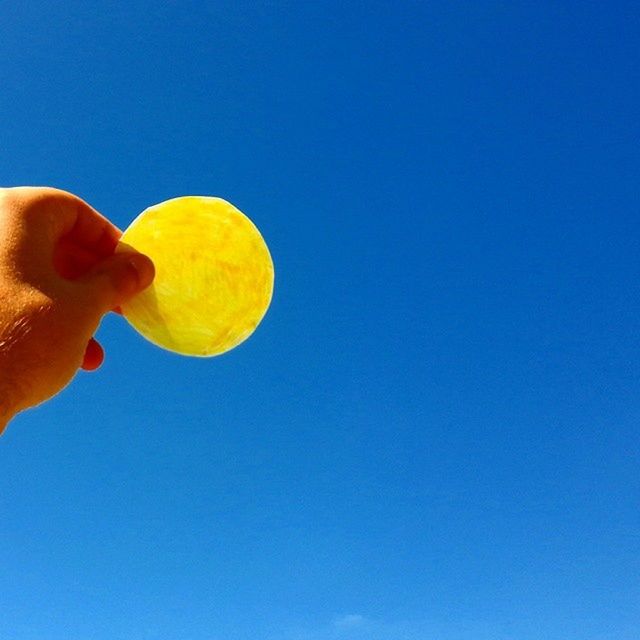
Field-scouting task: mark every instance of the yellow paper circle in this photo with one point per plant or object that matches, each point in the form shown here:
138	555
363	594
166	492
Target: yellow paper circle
214	276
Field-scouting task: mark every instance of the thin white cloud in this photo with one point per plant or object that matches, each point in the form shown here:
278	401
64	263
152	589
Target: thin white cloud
354	626
349	621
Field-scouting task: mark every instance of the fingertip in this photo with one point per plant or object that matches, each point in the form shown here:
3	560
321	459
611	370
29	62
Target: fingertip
93	356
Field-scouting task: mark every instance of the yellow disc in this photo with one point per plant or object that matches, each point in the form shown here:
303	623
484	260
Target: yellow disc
214	276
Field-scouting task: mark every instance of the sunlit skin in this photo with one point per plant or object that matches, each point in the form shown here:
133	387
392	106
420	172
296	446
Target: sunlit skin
59	276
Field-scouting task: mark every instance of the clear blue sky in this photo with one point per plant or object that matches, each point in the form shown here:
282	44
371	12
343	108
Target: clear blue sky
434	434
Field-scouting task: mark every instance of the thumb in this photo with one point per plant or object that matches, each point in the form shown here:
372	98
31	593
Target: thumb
116	279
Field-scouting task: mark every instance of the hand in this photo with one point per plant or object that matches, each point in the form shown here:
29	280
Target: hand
59	274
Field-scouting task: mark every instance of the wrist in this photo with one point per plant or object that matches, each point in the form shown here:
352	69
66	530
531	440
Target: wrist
10	403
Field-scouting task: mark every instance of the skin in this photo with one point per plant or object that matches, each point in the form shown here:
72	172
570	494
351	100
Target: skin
59	275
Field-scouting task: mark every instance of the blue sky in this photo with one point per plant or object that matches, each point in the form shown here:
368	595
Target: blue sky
434	433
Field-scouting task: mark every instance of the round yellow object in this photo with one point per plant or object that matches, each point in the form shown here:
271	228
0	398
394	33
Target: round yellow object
214	276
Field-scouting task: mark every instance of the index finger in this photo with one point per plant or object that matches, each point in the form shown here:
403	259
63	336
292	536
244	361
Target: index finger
84	226
66	215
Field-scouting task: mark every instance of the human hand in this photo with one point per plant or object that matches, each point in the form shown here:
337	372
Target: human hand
58	276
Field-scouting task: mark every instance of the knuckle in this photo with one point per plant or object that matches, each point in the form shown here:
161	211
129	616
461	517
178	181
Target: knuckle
38	205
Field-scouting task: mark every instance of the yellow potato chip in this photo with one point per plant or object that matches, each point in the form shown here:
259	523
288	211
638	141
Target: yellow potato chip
214	276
